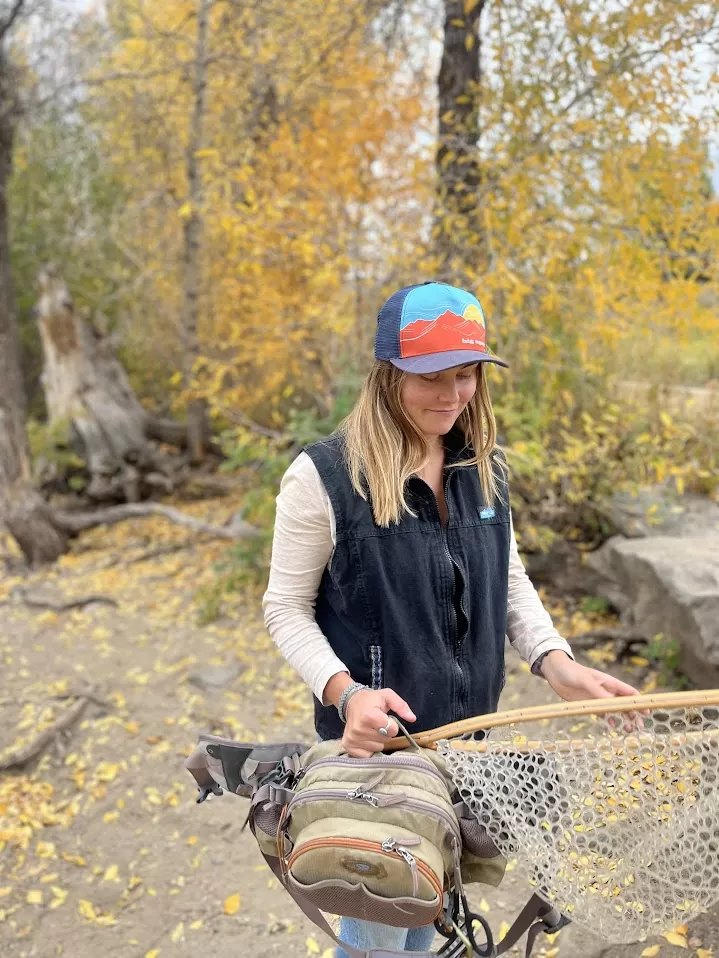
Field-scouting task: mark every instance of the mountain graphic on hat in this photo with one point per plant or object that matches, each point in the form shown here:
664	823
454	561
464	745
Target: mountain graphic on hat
432	327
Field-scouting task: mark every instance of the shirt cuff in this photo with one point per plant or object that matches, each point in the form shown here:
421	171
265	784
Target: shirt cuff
333	667
544	649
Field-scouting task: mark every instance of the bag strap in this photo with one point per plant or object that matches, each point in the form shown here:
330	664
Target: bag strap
549	920
316	916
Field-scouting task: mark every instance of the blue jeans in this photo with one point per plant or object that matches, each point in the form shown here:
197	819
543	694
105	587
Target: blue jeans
370	934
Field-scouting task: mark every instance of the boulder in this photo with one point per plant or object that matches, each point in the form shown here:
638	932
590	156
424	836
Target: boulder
672	587
659	511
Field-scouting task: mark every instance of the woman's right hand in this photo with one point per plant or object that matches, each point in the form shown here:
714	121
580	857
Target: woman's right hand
366	714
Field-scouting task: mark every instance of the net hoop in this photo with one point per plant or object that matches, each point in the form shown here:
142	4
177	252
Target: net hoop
539	713
619	829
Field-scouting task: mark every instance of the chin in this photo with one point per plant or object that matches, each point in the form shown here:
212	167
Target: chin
441	428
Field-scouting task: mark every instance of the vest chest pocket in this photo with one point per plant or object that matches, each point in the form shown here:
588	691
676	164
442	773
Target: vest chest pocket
376	665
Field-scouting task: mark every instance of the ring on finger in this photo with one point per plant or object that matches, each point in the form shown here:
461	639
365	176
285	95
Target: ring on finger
384	732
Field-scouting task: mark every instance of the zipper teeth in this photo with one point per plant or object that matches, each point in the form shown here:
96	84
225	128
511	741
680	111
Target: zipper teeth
367	845
402	760
452	565
332	794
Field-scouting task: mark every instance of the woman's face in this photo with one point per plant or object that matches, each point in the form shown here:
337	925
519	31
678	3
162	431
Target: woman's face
434	401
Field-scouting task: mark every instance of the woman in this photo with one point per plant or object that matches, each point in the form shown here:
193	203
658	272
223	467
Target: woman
395	573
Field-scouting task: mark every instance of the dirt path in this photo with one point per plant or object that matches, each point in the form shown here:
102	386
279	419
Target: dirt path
102	849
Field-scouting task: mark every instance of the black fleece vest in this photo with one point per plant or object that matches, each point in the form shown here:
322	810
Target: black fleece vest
418	607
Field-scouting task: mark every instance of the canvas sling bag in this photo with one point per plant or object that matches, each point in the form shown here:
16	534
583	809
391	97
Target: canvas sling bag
384	839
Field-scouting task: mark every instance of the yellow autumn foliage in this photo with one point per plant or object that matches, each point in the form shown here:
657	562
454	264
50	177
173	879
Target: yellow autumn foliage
308	148
592	244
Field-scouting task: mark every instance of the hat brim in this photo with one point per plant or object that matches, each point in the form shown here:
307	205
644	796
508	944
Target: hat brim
436	362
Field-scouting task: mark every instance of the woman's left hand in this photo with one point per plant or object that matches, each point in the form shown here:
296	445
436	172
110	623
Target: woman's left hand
571	681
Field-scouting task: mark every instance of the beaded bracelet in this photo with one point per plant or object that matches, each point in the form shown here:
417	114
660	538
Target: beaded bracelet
347	694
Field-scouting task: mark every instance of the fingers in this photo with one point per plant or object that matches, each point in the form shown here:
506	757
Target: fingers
393	703
594	688
367	715
615	686
377	719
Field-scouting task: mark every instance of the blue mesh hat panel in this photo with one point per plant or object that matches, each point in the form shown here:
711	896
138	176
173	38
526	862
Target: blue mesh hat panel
388	325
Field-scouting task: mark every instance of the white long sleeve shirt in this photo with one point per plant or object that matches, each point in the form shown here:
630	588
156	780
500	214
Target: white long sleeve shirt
303	544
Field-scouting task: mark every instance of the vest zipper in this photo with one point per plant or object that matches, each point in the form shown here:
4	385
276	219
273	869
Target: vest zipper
456	644
452	566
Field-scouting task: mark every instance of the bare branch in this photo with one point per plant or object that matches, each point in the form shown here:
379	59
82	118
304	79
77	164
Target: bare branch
23	756
12	17
74	522
19	595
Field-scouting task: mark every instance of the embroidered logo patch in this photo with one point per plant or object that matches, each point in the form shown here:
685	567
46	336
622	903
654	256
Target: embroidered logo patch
487	512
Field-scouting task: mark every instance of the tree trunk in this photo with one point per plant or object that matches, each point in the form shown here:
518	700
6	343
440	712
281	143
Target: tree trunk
86	387
197	428
459	175
22	510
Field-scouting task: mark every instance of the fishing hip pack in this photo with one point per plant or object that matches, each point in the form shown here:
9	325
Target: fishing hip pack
386	839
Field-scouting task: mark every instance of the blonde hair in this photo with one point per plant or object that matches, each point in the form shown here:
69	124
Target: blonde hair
383	447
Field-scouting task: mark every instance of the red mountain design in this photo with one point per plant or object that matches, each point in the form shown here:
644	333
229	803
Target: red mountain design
446	332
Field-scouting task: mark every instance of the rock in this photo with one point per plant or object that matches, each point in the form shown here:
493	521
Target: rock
657	511
562	567
213	677
672	587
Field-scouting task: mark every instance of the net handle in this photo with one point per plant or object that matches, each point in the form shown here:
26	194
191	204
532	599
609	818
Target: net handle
620	704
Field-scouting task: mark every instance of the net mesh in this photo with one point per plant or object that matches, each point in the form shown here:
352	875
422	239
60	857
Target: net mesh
619	828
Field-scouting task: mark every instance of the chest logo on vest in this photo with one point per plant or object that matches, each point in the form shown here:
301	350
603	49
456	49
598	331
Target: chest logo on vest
487	512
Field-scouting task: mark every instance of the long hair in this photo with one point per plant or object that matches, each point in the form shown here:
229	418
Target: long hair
383	447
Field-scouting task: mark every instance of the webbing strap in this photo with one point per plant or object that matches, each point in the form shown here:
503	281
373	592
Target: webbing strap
535	908
550	921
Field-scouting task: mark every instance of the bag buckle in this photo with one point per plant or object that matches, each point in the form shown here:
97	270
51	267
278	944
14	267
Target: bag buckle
207	790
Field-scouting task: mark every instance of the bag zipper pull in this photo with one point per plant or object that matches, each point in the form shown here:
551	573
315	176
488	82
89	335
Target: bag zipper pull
393	846
362	790
385	800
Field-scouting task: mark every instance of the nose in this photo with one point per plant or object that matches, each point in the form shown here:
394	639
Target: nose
449	392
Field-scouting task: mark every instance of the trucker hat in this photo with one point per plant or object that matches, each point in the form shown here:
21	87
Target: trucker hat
430	327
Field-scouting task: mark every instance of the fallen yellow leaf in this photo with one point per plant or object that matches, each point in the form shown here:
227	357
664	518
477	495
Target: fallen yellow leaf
153	953
178	933
232	904
59	896
674	938
312	947
111	873
651	952
34	897
86	909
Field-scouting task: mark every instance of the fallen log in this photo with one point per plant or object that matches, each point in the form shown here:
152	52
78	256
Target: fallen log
23	756
19	595
74	522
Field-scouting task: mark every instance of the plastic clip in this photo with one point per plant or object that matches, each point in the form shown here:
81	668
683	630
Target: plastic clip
208	790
